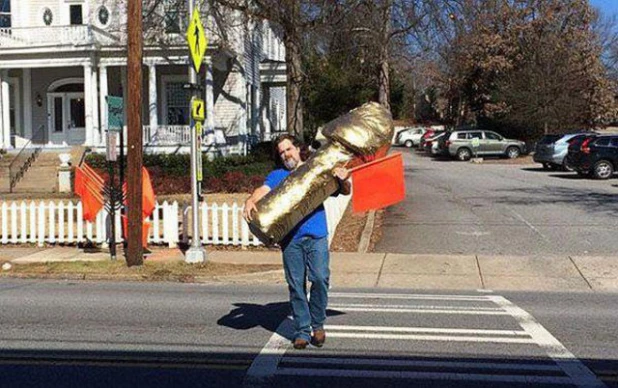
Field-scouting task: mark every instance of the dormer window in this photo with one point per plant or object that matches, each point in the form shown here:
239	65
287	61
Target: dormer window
76	15
48	16
103	16
5	13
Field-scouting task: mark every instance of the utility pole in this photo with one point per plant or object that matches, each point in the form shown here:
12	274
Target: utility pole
134	137
197	48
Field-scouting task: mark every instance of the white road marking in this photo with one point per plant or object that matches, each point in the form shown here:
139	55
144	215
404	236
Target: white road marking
425	376
422	363
575	369
406	306
445	338
474	234
399	329
265	364
421	311
534	229
469	298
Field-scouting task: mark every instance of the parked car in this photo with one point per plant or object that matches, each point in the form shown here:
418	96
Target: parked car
595	156
464	144
551	150
432	141
426	135
410	137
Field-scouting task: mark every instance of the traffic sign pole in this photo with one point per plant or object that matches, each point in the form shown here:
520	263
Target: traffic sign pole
197	46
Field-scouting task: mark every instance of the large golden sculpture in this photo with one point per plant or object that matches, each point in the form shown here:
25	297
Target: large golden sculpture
357	135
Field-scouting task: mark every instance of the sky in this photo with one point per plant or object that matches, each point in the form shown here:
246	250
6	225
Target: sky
608	7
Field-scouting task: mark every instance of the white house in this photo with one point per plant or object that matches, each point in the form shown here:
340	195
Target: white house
60	58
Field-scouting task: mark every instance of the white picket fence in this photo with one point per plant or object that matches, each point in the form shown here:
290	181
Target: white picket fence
50	222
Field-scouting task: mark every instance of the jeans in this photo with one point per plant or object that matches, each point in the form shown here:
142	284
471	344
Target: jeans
307	258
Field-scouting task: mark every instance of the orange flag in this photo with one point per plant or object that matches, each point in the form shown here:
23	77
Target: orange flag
378	184
148	195
78	186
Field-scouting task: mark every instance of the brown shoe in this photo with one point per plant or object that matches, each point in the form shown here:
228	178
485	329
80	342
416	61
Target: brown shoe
318	338
300	343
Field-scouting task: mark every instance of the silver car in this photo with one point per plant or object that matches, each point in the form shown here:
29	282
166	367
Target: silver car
465	144
551	151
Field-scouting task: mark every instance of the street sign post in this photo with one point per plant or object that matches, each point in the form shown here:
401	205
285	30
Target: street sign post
198	134
197	48
115	124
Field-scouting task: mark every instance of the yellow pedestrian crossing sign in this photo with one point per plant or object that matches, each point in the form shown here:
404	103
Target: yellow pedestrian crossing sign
197	40
197	109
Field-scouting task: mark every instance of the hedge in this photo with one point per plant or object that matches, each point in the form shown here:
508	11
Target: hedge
171	173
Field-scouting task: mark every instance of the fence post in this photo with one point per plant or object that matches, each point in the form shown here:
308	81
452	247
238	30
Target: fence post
24	226
175	223
235	223
70	226
205	223
225	214
61	222
14	223
155	224
52	222
5	224
41	217
33	224
80	222
215	224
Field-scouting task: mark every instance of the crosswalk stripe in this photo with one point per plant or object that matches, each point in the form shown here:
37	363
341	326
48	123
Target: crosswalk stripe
420	311
420	337
529	379
469	298
405	306
426	330
572	366
420	363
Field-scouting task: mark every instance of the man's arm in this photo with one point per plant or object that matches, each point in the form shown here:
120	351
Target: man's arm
250	207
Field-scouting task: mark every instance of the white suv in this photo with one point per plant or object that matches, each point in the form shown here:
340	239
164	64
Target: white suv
410	137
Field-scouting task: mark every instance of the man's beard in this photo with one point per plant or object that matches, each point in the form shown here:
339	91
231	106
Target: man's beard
290	163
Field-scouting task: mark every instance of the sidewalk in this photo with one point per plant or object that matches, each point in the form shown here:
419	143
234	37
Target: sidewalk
429	272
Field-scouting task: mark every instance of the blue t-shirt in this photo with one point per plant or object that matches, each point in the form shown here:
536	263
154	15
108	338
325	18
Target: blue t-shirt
314	225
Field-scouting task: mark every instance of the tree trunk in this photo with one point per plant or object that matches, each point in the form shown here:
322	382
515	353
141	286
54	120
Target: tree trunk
385	89
294	82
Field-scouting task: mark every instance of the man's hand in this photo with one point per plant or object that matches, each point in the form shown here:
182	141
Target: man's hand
341	173
248	209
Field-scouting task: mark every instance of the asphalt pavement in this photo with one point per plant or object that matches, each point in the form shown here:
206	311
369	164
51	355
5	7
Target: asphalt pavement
76	334
502	209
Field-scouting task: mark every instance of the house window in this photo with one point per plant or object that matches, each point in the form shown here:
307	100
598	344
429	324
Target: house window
76	14
5	13
178	100
171	17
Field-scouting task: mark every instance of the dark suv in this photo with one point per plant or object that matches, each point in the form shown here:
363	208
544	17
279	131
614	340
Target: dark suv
594	155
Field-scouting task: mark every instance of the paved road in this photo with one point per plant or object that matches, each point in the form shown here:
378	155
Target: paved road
76	334
463	208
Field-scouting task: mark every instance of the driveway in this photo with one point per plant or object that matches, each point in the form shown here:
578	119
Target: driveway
500	209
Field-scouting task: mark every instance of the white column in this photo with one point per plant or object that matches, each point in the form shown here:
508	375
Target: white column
6	106
123	80
27	86
210	98
264	108
95	108
88	105
2	80
102	102
152	98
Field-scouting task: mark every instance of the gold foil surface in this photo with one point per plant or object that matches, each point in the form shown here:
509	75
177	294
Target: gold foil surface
361	132
308	186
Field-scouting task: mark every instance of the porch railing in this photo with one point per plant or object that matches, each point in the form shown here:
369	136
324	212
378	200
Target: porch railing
23	160
53	36
167	135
